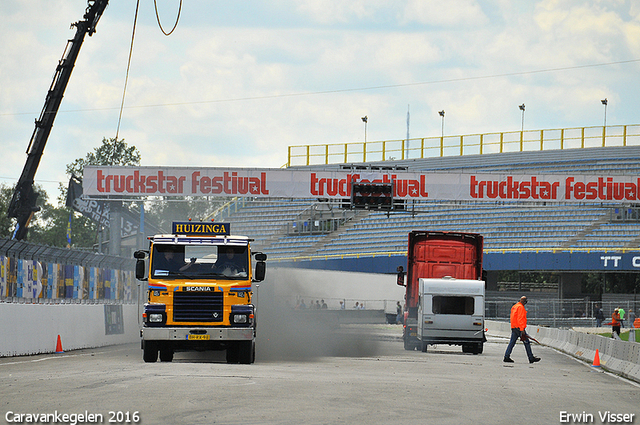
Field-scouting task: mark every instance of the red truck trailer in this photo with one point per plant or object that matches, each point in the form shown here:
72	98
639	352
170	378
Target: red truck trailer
435	254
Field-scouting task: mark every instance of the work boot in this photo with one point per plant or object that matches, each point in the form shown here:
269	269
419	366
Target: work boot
508	360
534	359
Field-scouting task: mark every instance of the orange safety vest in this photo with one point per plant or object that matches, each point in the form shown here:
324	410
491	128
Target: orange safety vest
615	317
518	316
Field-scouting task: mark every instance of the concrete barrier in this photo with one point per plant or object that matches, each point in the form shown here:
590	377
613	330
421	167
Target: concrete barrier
616	356
34	328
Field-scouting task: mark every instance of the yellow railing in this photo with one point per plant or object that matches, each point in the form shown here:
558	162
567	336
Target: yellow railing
471	144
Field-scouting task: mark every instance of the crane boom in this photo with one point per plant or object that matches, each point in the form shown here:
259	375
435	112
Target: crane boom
23	202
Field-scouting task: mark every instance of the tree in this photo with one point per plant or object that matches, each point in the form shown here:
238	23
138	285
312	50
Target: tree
111	152
163	213
7	224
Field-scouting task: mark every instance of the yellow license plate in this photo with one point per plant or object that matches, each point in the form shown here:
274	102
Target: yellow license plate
198	337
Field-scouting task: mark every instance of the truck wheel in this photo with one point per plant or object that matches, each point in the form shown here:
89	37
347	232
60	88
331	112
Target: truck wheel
424	347
149	352
232	353
478	348
467	348
408	345
246	352
166	354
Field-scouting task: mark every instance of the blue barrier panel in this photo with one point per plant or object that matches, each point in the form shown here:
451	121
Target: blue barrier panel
563	261
492	261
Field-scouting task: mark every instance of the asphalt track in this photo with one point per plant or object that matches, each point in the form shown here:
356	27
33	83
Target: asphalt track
379	383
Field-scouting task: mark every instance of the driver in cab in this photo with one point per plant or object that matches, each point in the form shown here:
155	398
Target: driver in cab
229	263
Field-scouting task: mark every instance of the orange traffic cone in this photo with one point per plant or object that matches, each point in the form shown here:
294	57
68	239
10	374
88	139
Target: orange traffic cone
596	359
59	346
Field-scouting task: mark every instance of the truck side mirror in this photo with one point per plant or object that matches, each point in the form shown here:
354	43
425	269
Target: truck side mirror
260	271
261	267
400	280
140	254
140	269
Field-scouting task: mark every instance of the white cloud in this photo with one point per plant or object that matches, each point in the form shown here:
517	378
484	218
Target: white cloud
459	13
180	100
338	11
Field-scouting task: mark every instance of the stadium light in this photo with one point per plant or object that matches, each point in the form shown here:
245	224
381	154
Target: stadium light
522	109
365	120
605	102
441	113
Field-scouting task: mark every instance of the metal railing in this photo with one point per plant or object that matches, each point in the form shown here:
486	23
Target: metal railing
471	144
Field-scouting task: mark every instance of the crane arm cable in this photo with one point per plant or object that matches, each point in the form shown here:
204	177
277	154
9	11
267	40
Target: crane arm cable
155	4
126	78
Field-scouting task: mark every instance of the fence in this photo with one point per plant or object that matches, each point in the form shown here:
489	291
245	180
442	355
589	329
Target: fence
31	273
472	144
552	312
561	313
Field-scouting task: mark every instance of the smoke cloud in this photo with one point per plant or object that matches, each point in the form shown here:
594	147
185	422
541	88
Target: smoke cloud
284	333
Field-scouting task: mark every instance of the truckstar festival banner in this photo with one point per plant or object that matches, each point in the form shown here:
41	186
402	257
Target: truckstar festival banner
104	181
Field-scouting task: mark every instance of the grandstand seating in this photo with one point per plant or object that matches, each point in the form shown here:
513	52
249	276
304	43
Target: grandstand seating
504	225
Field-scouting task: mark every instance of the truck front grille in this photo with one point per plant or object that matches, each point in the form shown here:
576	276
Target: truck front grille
197	306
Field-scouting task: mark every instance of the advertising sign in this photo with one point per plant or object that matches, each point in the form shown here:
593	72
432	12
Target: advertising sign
104	181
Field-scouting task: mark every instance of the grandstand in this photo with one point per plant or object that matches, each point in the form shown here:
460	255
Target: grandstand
294	228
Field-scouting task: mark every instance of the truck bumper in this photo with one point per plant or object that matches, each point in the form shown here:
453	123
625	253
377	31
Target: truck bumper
190	334
454	337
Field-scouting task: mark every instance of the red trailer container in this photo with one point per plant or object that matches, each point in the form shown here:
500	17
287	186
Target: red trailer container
433	254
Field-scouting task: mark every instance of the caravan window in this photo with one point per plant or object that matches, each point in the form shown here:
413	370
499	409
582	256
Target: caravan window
452	305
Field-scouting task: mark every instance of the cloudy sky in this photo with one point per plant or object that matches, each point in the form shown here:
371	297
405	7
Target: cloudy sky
239	81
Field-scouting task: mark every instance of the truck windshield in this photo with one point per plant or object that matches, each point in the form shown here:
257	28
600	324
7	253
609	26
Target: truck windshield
199	261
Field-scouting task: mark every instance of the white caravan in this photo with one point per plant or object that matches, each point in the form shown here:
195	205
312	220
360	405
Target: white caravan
451	311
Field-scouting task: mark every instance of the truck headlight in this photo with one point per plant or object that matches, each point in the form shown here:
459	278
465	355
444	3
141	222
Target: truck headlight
240	318
155	317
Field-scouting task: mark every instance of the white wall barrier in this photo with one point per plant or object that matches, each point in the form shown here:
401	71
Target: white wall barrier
620	357
34	328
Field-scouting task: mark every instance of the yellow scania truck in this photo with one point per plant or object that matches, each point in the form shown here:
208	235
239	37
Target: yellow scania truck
199	292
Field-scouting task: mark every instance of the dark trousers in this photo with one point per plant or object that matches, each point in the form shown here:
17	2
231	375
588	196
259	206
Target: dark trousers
515	334
615	329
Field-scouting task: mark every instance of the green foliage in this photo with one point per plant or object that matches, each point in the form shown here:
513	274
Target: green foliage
592	283
83	230
49	226
111	152
617	283
162	212
623	335
6	224
529	277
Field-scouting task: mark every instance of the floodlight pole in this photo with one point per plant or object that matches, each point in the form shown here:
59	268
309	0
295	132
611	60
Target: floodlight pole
365	119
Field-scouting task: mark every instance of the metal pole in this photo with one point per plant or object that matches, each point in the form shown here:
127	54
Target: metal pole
408	118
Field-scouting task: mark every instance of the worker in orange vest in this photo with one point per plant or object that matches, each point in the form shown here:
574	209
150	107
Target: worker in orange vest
615	322
518	326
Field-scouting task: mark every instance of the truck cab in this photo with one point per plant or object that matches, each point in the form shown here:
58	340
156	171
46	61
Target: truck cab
451	311
199	292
